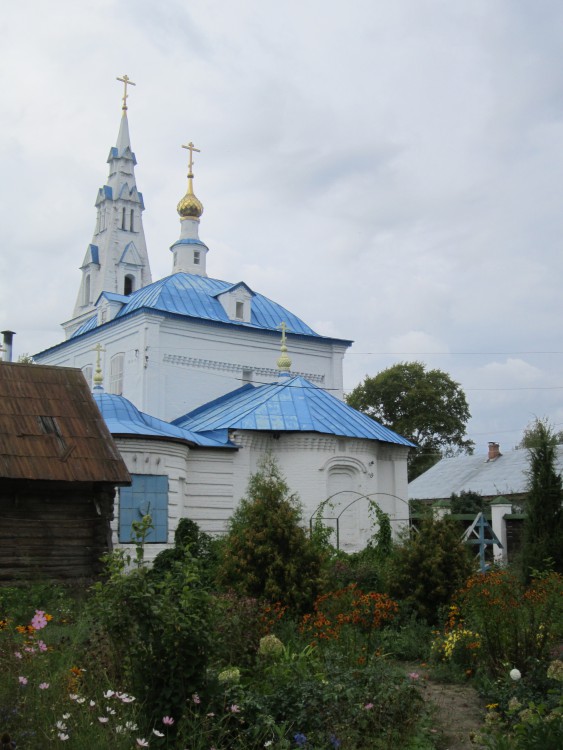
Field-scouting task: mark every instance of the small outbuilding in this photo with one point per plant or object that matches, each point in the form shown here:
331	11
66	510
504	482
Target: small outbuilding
59	467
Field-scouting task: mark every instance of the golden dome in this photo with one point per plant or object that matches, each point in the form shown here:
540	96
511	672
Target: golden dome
190	207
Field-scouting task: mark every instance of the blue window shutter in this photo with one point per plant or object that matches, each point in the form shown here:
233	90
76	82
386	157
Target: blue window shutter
148	495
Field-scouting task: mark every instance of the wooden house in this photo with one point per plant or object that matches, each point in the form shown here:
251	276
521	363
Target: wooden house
59	467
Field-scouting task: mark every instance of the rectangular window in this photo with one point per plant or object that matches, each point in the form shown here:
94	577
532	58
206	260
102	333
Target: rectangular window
196	257
239	310
147	496
132	224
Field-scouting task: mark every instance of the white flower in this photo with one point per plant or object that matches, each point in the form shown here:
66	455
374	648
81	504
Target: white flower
131	726
66	716
515	674
157	733
61	725
109	694
92	704
63	737
142	742
103	719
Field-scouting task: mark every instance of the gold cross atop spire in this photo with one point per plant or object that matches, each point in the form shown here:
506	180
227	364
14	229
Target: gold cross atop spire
284	362
191	148
126	82
98	377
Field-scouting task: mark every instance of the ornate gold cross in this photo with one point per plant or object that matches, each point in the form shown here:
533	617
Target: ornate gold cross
98	377
126	82
191	148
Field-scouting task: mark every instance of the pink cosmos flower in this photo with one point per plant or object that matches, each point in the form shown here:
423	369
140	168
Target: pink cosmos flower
368	706
168	721
39	621
196	698
22	680
18	655
41	646
44	686
413	675
235	709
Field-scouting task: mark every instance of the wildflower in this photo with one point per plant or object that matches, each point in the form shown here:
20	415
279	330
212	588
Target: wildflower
413	675
42	646
235	709
61	725
555	670
120	729
73	696
514	704
124	698
334	741
229	675
18	655
44	686
300	739
39	620
103	719
492	706
109	694
196	699
131	726
270	645
92	704
515	674
64	737
157	733
268	743
22	680
141	742
368	706
167	721
81	700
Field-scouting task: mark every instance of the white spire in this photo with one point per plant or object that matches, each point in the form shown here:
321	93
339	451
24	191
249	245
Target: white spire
116	260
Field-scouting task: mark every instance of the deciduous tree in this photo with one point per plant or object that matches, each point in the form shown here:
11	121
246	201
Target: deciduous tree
425	406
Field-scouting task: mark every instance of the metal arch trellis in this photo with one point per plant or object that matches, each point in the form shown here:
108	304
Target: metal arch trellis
337	518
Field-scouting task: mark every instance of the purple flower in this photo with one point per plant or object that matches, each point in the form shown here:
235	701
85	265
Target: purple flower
235	709
368	706
22	680
39	620
168	721
300	739
334	741
44	686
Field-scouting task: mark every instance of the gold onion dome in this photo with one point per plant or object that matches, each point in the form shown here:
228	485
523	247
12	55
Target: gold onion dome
190	207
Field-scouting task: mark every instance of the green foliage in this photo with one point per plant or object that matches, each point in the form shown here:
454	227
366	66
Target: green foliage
516	624
534	434
429	567
190	544
543	527
425	406
157	628
467	502
266	553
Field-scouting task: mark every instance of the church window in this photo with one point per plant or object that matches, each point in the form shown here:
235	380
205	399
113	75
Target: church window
123	218
197	257
132	221
239	310
88	371
246	375
129	284
86	299
116	374
147	496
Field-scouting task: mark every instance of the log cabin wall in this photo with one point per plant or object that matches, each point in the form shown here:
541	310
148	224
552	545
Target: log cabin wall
53	531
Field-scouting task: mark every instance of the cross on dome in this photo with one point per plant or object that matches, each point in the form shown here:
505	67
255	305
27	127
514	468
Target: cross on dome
98	376
190	207
284	362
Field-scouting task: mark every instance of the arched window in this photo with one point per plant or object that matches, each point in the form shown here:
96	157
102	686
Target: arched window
116	374
86	298
88	371
128	284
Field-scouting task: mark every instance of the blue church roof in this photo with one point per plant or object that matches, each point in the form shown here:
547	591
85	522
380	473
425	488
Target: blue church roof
293	404
194	296
123	418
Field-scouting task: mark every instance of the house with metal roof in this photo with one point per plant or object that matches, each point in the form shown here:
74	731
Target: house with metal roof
206	348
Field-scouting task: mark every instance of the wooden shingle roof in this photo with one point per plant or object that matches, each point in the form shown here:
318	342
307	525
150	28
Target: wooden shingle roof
51	428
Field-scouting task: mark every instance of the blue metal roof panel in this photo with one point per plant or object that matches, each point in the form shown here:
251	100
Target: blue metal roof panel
123	418
290	405
89	325
195	296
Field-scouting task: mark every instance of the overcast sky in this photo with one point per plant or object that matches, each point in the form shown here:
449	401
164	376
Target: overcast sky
392	172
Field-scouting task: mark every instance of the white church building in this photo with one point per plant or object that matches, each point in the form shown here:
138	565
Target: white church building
168	353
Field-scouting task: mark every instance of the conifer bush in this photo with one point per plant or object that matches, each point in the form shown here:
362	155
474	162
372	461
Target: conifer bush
267	554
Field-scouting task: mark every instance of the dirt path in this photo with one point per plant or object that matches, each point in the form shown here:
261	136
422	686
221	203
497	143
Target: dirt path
458	710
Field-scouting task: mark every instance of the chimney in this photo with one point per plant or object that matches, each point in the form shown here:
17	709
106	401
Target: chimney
494	451
7	344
